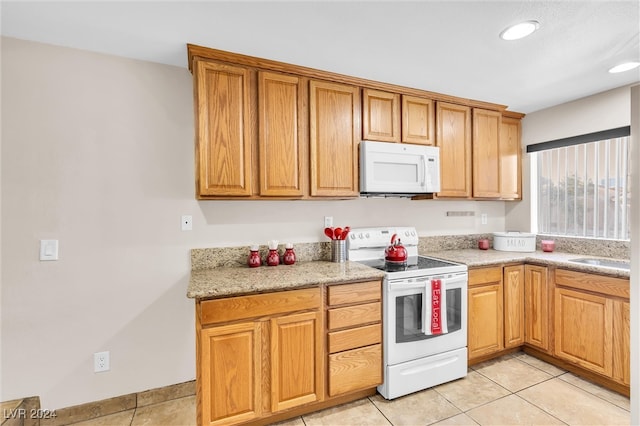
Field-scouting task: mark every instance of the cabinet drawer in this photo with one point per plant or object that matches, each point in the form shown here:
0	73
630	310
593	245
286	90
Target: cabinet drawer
355	369
355	338
484	276
351	316
258	305
610	286
354	293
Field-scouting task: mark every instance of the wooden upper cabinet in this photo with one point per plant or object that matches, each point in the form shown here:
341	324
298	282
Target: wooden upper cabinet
334	137
486	153
510	159
453	136
418	120
225	129
281	134
381	116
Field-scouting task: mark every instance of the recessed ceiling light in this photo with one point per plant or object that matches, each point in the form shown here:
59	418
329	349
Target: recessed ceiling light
520	30
624	67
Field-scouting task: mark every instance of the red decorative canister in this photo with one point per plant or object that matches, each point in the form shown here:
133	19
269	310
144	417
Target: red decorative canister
254	259
289	257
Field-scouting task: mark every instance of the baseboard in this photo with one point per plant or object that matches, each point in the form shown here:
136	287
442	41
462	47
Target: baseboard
92	410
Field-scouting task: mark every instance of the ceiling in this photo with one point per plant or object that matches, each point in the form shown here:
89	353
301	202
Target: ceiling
450	47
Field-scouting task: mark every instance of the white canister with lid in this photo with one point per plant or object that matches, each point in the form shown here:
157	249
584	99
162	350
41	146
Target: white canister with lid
514	241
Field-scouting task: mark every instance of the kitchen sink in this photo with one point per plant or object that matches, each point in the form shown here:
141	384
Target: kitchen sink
607	263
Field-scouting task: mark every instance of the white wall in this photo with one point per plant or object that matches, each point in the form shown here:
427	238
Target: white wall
604	111
97	152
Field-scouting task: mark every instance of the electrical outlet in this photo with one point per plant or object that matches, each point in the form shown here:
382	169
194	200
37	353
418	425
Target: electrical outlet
483	218
328	221
101	362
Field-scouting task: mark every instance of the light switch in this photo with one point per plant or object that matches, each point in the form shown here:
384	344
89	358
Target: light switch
48	249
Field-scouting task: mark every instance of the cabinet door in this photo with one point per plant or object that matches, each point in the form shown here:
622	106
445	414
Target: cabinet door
510	159
454	139
381	116
536	299
280	136
485	320
231	373
583	330
486	153
334	137
225	129
485	312
513	306
621	342
296	360
418	120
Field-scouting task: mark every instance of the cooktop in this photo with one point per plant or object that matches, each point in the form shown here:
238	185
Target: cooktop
414	263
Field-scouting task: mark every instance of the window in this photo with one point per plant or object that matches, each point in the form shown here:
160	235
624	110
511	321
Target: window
580	185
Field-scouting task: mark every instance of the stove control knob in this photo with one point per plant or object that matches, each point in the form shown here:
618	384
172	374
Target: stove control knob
352	236
407	233
361	235
367	235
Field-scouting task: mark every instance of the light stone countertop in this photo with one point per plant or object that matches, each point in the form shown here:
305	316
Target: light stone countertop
476	258
240	280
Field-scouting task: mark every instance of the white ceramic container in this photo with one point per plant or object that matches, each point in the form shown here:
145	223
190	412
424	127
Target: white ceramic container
514	241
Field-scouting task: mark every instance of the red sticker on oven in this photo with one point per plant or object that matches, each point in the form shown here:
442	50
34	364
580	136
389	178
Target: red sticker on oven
436	303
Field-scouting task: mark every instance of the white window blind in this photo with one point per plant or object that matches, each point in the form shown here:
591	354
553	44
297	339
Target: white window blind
582	189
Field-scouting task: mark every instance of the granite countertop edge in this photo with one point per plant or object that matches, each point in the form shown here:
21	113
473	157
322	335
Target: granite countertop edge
234	281
474	258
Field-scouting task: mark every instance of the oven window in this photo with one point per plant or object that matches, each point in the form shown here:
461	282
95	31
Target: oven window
409	316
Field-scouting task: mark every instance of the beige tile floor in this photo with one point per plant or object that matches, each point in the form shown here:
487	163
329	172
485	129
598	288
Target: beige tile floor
512	390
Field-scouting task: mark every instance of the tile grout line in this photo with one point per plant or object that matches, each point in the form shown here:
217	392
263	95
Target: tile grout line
540	408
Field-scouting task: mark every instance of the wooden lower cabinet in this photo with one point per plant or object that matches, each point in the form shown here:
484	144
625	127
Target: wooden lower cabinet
268	360
485	317
230	361
536	302
297	376
354	325
591	323
583	329
621	342
264	356
514	283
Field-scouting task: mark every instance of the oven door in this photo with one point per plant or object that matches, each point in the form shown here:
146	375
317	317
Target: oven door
404	317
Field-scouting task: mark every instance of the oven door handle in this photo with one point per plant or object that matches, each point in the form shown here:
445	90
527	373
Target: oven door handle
426	299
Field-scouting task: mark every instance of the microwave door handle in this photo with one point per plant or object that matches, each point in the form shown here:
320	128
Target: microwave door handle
423	160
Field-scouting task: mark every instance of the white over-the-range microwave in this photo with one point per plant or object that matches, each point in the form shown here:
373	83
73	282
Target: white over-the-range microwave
398	169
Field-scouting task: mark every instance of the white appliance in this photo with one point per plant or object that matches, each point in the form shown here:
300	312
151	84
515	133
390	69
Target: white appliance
398	169
414	356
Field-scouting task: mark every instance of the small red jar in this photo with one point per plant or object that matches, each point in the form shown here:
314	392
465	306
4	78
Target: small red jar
547	245
483	244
